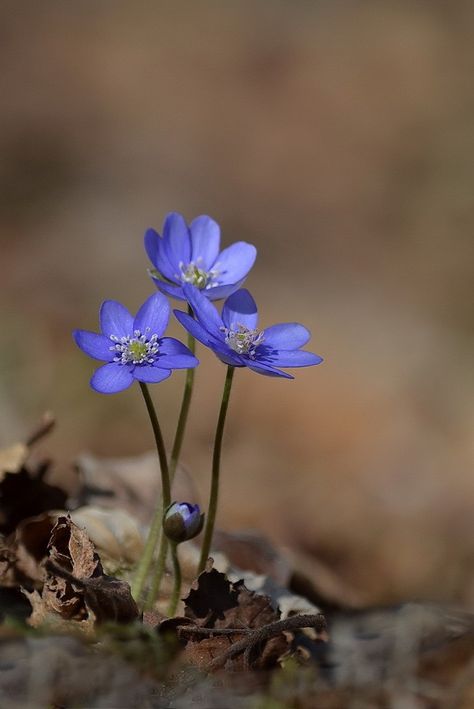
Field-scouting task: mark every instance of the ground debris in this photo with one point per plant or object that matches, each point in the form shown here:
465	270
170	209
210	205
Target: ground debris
24	490
76	587
224	622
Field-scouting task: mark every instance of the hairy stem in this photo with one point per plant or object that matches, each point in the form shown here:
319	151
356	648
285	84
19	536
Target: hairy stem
154	533
176	580
175	453
216	461
183	414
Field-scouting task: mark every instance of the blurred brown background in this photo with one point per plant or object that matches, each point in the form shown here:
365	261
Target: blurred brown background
339	138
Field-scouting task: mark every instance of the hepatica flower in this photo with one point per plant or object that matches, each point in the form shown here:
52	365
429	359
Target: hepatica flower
236	340
133	347
190	255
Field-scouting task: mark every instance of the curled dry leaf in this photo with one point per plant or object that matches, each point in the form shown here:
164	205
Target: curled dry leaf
108	598
75	587
215	603
22	553
70	549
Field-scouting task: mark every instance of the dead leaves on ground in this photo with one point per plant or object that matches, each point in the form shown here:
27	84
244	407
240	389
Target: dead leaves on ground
75	587
218	615
227	623
45	554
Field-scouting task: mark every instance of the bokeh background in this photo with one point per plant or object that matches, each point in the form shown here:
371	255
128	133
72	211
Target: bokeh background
338	137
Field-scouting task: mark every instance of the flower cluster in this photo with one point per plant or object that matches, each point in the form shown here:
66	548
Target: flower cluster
188	265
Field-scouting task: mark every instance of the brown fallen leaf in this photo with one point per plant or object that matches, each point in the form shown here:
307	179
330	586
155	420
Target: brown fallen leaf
70	547
75	587
232	611
22	553
108	598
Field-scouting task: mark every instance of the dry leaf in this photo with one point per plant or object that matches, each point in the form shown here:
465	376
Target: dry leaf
214	602
22	554
70	547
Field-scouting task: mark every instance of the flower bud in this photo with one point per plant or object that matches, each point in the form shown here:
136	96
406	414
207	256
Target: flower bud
182	521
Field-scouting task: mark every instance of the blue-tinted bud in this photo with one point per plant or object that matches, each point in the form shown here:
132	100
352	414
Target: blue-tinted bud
182	521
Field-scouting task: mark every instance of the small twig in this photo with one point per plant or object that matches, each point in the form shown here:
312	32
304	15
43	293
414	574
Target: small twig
198	630
294	622
45	425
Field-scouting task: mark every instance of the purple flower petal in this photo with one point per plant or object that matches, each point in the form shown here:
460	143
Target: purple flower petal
177	361
286	336
111	378
171	346
163	266
288	358
204	311
205	240
168	289
234	263
148	374
174	355
115	319
193	327
228	357
202	335
153	314
176	240
218	292
94	345
152	240
240	309
266	369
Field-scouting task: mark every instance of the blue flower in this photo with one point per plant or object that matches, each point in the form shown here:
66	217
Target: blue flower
235	339
182	521
191	255
133	347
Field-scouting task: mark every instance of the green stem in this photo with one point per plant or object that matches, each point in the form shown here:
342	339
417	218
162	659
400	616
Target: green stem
216	460
159	569
154	533
175	452
183	414
174	600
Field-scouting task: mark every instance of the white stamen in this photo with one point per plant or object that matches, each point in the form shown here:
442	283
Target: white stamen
243	340
138	349
197	276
